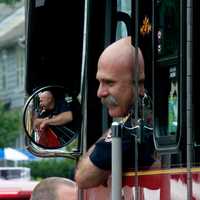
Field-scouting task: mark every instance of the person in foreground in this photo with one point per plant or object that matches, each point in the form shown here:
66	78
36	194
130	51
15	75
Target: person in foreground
116	73
55	188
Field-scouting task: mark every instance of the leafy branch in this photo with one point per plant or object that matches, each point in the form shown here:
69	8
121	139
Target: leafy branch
9	2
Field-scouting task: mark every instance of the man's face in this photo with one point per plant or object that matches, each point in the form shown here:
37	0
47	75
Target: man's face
45	101
116	89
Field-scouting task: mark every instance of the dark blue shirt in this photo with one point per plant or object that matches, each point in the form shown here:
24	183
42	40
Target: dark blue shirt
66	132
101	155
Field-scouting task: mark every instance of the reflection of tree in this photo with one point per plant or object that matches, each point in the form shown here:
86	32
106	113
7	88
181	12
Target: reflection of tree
10	124
73	145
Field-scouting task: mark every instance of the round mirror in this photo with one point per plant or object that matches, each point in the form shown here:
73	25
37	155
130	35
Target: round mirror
52	118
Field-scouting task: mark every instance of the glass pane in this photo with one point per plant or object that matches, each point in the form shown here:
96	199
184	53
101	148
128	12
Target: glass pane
173	102
196	80
166	99
167	27
124	6
121	30
167	69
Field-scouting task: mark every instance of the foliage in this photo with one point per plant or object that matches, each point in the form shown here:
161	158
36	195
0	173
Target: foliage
49	167
10	124
9	2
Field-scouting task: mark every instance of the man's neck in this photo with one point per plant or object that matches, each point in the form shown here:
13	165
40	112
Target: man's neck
121	119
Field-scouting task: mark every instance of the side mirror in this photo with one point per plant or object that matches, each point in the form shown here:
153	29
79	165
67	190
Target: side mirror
52	121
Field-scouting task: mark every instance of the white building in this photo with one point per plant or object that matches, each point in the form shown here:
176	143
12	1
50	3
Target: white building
12	58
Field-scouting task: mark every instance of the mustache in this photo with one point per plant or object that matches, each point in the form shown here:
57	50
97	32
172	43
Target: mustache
109	101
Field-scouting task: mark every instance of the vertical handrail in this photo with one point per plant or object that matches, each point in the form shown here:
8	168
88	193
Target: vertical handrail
135	37
116	161
189	98
84	87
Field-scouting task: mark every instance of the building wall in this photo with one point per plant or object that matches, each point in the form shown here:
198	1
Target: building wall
12	61
12	75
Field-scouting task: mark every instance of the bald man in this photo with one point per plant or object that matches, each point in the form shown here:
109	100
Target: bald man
55	188
54	113
60	115
116	75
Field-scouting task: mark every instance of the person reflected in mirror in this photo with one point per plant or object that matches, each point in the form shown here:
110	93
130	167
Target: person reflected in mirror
55	188
52	112
116	75
54	115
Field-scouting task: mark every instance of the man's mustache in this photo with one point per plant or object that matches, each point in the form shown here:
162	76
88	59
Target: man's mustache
109	101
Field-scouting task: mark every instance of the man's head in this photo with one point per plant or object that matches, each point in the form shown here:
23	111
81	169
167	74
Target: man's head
54	188
47	100
116	73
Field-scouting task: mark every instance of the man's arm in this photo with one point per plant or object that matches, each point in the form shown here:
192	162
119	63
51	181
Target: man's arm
37	122
87	175
60	119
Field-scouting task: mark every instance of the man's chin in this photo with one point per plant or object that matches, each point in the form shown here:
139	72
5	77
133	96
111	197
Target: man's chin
114	114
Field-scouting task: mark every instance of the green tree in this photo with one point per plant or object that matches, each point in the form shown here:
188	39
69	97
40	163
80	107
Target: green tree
9	2
10	125
51	167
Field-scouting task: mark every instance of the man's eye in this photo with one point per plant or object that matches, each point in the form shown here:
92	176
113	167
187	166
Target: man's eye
110	83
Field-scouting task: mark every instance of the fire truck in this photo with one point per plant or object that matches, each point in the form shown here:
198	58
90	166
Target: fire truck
16	183
64	40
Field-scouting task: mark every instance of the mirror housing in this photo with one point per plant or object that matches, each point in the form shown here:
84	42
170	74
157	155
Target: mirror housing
60	140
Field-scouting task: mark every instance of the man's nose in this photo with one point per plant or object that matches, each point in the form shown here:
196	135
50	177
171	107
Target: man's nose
102	91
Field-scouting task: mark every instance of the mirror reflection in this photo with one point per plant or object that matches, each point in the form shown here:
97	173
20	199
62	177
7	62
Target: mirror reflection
52	118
